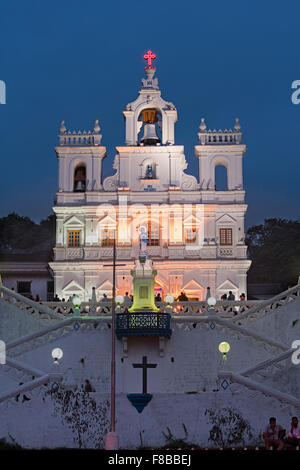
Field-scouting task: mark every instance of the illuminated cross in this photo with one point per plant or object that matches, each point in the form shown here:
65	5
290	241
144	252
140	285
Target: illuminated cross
145	365
149	56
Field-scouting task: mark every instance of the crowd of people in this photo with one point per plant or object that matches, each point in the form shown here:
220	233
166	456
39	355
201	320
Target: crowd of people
182	297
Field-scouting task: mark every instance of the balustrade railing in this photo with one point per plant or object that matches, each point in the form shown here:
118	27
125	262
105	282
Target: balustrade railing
52	378
231	377
238	311
143	324
268	306
31	307
226	309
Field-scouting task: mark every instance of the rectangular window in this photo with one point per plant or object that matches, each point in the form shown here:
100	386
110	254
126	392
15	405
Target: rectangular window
50	291
226	236
175	230
107	237
74	238
190	235
153	234
24	288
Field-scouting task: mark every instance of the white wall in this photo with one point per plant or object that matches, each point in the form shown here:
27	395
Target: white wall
54	421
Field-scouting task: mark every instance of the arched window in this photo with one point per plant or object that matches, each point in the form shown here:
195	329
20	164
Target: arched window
80	179
221	183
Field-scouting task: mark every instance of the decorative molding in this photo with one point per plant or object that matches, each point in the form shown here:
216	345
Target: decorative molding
189	182
111	182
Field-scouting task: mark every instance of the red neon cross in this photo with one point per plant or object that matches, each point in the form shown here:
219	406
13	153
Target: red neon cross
149	56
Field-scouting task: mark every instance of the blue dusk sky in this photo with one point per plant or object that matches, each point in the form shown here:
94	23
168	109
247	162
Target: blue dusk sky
83	60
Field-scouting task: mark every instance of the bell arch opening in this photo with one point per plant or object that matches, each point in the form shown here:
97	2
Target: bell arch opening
79	178
150	122
221	177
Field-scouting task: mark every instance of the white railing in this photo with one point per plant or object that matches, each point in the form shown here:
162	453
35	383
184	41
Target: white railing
192	320
67	309
30	386
219	137
23	367
265	366
270	305
80	138
266	390
57	331
27	305
226	309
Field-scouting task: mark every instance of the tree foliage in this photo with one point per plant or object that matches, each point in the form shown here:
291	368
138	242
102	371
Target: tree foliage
274	249
20	235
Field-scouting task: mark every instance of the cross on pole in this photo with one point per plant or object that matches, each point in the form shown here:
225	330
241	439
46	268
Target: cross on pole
144	366
149	56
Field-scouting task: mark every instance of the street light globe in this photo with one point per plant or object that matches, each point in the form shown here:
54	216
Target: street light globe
224	347
57	353
211	301
119	299
169	299
76	301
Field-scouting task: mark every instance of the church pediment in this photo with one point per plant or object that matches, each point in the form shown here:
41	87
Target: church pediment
225	219
192	285
73	220
107	222
192	220
73	287
105	286
227	286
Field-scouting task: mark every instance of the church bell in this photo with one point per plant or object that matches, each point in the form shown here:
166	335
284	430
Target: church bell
150	136
79	186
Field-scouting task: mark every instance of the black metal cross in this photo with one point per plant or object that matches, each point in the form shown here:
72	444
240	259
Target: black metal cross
144	366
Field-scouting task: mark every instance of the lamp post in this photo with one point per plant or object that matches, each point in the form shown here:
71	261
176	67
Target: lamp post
211	301
224	348
112	438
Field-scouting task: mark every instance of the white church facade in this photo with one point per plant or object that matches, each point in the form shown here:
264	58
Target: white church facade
195	231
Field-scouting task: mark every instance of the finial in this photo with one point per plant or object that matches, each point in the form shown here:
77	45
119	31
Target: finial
96	129
237	126
202	126
150	72
62	128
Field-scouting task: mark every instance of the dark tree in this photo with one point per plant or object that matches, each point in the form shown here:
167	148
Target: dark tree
20	235
274	249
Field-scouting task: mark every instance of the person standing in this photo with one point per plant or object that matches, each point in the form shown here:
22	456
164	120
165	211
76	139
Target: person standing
127	302
231	296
